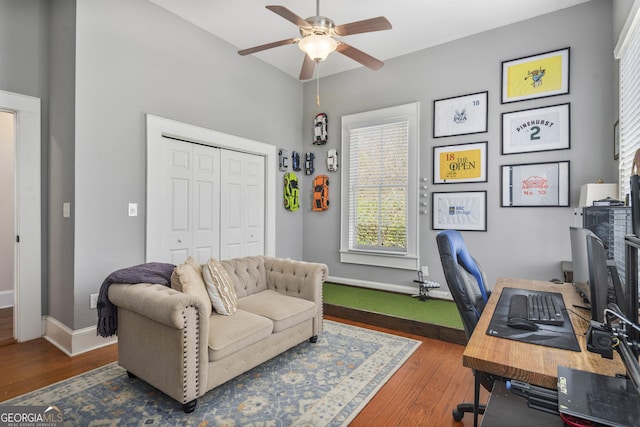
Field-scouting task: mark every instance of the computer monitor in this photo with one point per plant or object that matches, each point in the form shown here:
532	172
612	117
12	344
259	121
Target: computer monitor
599	273
580	260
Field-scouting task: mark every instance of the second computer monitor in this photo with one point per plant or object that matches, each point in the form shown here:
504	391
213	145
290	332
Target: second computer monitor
598	277
580	260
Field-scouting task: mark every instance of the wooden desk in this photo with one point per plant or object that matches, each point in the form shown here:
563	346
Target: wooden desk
534	364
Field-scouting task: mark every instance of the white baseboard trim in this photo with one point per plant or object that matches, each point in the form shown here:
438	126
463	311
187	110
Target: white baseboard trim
74	342
6	299
390	287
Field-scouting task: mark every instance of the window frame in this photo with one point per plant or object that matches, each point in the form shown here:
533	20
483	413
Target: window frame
410	259
628	52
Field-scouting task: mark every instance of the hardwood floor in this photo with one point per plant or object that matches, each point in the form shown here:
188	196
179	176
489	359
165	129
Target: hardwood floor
422	392
6	326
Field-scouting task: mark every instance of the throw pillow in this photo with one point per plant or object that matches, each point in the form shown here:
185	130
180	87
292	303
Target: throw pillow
220	288
186	278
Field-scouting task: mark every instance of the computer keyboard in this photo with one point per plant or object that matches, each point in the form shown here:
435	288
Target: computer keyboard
539	308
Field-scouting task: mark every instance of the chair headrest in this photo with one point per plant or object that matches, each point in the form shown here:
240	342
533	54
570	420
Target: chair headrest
464	258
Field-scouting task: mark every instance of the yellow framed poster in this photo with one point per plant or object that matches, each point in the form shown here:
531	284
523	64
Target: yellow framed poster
460	163
536	76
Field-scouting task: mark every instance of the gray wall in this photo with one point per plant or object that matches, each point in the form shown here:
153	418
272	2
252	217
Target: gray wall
24	69
520	242
61	144
133	58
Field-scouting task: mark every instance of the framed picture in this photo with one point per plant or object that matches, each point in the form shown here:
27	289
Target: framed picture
460	163
535	184
460	115
616	140
536	129
536	76
460	210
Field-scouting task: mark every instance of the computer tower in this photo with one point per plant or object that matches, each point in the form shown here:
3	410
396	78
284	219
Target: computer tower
610	224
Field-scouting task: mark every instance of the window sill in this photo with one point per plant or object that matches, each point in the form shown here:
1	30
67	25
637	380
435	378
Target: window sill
405	262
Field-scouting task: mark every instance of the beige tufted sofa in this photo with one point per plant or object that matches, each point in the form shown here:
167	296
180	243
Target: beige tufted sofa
174	342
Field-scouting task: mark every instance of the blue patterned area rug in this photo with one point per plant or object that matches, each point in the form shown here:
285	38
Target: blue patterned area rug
322	384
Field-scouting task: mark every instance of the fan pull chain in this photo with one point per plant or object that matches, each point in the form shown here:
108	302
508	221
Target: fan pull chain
318	83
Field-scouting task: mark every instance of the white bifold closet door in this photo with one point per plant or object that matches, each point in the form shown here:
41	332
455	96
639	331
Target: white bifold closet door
214	202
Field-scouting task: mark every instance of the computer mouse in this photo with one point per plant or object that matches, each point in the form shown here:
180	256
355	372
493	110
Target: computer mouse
520	323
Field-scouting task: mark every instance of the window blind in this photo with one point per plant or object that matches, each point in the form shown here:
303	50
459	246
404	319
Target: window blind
628	51
378	192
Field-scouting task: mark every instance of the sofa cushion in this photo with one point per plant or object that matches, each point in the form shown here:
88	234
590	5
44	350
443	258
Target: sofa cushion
220	288
283	310
187	278
228	334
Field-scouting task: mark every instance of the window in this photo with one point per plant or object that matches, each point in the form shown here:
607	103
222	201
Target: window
379	192
628	51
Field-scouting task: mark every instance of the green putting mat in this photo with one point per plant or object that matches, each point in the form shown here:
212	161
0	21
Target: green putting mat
434	311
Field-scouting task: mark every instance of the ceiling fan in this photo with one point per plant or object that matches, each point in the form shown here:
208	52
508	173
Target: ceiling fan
318	39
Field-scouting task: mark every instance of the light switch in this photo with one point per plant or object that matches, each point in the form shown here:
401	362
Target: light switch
133	209
66	210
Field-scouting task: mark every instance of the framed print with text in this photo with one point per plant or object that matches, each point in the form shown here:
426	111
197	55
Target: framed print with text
536	129
460	210
535	184
460	163
460	115
535	76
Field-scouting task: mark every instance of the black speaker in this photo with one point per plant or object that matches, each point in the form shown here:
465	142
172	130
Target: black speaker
600	340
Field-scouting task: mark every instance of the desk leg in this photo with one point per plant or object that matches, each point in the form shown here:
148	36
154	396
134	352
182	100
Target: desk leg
476	398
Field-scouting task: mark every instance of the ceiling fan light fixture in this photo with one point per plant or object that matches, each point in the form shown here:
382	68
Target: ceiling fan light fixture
318	46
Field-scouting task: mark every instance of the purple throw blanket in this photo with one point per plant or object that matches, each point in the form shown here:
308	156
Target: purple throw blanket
152	272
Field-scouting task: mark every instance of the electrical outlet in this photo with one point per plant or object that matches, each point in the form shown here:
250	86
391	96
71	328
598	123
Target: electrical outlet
133	209
425	270
93	303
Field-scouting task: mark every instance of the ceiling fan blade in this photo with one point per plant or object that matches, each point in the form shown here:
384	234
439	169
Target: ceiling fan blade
359	56
266	46
289	16
308	67
365	26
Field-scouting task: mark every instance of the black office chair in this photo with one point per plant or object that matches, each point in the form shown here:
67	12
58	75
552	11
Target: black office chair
466	282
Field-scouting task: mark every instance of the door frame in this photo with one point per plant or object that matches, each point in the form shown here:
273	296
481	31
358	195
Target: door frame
27	315
159	127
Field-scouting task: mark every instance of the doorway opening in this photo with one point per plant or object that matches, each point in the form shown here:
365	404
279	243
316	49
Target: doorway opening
23	230
7	225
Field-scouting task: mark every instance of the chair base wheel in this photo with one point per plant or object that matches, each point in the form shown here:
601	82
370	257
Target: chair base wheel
130	375
457	415
313	339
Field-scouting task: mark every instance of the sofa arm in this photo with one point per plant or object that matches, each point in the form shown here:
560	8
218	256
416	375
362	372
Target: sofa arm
157	302
162	338
298	279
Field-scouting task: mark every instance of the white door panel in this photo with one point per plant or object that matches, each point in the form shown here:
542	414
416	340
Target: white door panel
176	190
215	203
242	197
206	199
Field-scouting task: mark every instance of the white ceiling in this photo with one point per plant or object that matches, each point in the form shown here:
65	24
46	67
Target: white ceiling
417	24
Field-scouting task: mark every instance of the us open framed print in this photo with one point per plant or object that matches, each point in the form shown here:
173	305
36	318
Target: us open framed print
460	163
536	129
460	115
460	210
535	184
536	76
